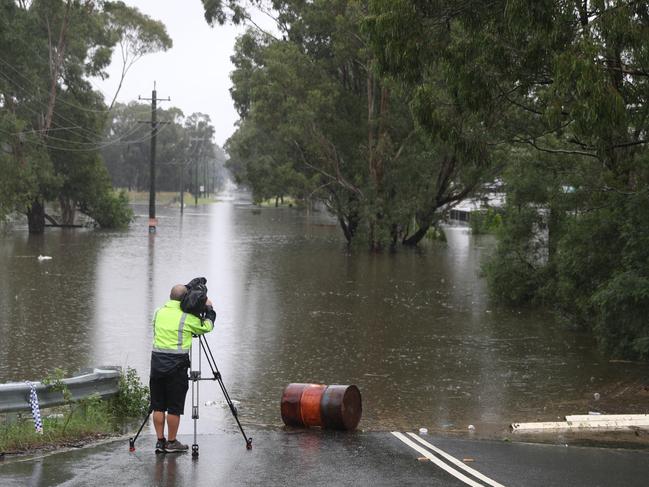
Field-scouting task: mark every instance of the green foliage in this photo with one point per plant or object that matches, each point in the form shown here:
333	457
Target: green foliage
485	221
621	307
319	122
83	419
132	399
51	120
587	255
186	152
138	33
55	383
512	271
436	233
392	109
560	88
621	302
95	422
111	210
222	11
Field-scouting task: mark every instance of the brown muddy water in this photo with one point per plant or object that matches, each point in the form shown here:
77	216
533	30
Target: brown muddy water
415	330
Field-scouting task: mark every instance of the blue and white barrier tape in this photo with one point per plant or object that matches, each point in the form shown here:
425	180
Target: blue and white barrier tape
36	411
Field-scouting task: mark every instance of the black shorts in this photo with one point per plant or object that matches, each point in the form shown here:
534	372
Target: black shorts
168	393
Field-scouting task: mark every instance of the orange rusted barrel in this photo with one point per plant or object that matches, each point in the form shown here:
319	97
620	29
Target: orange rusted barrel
332	407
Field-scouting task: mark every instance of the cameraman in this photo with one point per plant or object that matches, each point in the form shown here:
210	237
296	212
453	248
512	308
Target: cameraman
172	339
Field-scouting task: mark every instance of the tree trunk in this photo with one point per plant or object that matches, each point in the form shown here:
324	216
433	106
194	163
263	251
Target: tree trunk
416	237
553	233
345	229
68	210
57	59
423	223
349	226
36	217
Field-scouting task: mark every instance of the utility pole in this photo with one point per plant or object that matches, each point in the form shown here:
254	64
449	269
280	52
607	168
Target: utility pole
154	132
195	166
182	188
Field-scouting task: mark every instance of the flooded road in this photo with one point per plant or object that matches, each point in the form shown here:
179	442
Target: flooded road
414	330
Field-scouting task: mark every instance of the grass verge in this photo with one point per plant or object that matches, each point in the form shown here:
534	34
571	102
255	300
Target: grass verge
90	423
77	422
287	202
167	198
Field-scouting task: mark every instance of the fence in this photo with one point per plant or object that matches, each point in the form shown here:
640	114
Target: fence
104	381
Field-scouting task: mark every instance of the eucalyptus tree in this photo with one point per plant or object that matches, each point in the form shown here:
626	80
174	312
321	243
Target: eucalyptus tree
319	119
187	154
137	35
570	83
52	119
126	147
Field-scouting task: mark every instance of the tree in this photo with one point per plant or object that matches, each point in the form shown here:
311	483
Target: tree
54	119
568	83
126	147
318	118
187	155
137	34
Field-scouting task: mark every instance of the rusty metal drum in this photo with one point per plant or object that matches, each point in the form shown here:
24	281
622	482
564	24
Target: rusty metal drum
316	405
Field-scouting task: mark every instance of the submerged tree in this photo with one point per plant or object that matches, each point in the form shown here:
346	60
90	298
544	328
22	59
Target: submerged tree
52	120
320	121
572	82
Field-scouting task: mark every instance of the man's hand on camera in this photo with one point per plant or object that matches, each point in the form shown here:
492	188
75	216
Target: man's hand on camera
210	314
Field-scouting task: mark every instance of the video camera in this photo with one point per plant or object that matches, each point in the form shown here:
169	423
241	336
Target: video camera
195	299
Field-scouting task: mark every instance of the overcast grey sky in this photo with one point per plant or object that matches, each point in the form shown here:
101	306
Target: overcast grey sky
194	73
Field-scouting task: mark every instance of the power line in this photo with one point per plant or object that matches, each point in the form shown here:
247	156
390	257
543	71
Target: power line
64	102
34	99
94	145
88	79
41	143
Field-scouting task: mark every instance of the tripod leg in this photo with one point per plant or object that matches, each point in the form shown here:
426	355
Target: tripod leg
131	441
195	376
217	375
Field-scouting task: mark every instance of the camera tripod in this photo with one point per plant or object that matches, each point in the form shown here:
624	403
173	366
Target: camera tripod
195	377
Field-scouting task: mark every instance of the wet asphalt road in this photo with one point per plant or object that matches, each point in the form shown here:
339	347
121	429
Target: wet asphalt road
280	458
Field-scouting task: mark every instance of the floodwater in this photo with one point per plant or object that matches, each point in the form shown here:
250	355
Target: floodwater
415	330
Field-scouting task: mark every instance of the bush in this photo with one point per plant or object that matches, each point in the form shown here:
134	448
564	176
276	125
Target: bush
517	269
485	221
588	255
512	280
621	309
111	210
436	233
132	399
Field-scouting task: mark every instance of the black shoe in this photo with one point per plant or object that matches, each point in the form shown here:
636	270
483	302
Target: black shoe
160	445
175	447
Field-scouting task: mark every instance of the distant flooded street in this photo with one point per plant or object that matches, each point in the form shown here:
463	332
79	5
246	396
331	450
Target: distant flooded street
414	330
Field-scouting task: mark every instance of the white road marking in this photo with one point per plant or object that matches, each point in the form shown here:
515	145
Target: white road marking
436	460
457	462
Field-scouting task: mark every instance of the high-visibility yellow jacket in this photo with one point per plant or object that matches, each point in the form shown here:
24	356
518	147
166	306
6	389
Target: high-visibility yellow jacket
173	328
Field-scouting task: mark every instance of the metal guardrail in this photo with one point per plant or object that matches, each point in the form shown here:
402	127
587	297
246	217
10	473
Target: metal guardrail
104	381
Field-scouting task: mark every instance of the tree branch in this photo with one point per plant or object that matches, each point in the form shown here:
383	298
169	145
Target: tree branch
338	178
533	143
